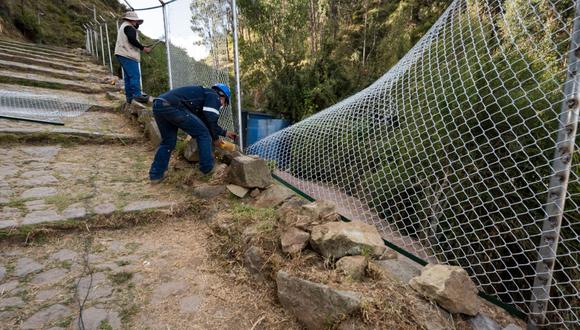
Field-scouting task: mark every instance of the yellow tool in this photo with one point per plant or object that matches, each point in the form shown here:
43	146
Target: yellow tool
226	145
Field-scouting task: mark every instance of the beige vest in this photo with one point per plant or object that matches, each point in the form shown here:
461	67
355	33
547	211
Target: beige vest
123	47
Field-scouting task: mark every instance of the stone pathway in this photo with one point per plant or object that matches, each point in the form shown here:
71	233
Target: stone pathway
54	183
157	277
58	179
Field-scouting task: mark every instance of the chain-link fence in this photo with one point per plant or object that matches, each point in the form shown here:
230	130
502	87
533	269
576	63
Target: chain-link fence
197	28
451	152
36	107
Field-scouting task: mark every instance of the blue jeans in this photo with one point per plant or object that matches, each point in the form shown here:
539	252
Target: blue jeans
169	119
132	77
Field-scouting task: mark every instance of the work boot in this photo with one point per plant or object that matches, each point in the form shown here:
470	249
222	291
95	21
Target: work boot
144	99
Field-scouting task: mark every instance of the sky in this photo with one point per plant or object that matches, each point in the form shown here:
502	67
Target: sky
179	15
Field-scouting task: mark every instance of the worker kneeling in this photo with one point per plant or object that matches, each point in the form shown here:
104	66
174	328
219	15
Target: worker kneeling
195	110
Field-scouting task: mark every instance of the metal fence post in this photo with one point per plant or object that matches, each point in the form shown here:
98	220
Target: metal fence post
109	47
102	43
89	39
93	42
237	76
87	42
167	50
558	182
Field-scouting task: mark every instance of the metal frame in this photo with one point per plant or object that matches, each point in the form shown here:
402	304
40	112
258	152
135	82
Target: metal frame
102	43
562	164
167	48
237	76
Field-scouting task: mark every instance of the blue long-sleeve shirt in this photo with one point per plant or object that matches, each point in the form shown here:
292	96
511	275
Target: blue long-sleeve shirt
202	102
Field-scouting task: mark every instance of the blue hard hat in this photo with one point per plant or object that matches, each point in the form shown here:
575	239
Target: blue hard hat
224	89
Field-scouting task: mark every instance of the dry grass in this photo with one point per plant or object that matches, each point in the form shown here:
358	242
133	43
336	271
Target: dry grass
387	303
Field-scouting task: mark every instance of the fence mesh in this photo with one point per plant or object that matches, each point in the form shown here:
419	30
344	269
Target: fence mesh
449	153
29	106
199	29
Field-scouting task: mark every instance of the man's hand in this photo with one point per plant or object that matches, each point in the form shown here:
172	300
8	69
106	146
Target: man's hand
217	143
231	135
146	50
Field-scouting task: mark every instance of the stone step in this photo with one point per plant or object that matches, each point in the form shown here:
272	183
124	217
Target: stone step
84	65
59	183
45	63
59	135
37	69
94	100
30	79
30	46
75	58
93	126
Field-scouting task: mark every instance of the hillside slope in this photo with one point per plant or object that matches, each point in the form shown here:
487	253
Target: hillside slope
54	22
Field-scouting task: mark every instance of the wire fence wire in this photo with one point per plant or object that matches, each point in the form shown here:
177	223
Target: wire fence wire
205	33
29	106
449	153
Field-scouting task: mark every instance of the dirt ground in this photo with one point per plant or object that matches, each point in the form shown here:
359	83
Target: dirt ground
158	276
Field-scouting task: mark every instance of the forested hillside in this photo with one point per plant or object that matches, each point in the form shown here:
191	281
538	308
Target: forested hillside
301	56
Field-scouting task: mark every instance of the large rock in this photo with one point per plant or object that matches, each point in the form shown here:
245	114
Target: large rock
255	261
273	196
290	207
294	240
483	322
353	267
227	156
249	172
315	305
191	151
304	215
152	131
319	209
135	107
339	239
449	286
207	191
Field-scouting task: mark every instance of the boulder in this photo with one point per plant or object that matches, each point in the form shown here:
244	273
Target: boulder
152	132
353	267
249	172
144	115
207	191
241	192
255	193
273	196
219	174
290	207
294	240
449	286
319	209
135	107
190	152
306	215
315	305
483	322
339	239
254	260
227	156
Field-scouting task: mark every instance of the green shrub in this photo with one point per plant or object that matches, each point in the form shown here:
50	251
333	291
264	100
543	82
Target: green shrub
28	25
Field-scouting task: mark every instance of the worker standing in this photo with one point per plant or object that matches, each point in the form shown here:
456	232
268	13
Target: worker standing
128	52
